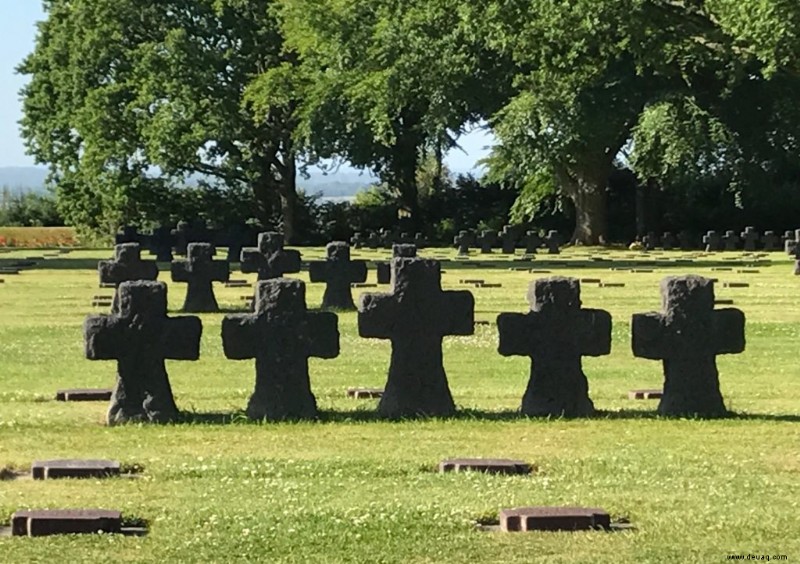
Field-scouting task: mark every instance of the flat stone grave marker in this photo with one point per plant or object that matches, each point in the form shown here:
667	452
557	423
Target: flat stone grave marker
488	285
641	271
483	323
45	522
722	269
748	271
365	393
8	271
735	285
54	469
238	284
471	281
687	336
540	271
525	519
645	394
723	302
591	281
415	317
612	285
364	285
84	395
486	465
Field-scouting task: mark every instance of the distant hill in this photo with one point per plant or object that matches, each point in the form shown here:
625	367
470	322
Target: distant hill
342	183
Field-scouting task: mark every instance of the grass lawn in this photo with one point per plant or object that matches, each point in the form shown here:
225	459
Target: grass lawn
351	488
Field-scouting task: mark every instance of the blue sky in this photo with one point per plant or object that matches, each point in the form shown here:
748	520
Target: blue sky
17	34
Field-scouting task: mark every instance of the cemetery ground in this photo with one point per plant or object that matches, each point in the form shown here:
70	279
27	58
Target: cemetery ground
353	488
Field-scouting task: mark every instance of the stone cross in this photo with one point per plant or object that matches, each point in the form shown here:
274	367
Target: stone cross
419	241
415	316
200	270
668	241
685	240
128	234
687	336
770	241
140	336
373	241
181	237
730	240
556	334
357	241
532	242
790	239
462	242
235	238
281	336
161	243
384	269
270	260
338	272
712	242
751	238
650	241
127	265
487	240
553	242
508	240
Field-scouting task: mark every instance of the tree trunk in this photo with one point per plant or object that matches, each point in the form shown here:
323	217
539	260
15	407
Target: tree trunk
591	215
288	191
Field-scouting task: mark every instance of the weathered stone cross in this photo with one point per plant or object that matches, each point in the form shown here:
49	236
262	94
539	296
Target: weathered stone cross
532	242
462	242
270	260
415	316
200	270
126	266
751	238
139	337
556	334
487	241
687	337
553	242
712	242
281	336
338	271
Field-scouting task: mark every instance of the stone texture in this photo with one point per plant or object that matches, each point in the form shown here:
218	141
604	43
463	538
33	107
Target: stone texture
487	241
45	522
687	336
508	240
750	238
281	336
415	316
384	269
730	241
54	469
487	465
270	260
140	336
645	394
527	519
84	394
770	241
126	266
339	273
712	242
365	393
556	334
532	242
553	243
200	271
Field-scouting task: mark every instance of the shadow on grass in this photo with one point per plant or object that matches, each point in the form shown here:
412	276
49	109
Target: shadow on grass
371	416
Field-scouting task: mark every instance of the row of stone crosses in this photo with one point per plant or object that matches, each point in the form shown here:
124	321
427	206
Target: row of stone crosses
281	334
163	241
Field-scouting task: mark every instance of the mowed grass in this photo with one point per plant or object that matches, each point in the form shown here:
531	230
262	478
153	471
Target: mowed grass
352	488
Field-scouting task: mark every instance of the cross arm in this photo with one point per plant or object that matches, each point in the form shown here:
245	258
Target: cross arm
240	336
513	329
376	315
318	271
289	261
649	336
179	270
181	338
251	260
458	313
104	337
220	270
323	334
728	327
595	336
358	271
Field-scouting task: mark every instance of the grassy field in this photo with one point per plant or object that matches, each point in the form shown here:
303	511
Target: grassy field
351	488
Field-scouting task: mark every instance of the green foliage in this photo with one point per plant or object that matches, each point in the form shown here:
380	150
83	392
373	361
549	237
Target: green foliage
28	209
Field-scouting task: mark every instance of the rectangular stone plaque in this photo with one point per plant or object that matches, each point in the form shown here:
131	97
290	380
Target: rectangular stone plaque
84	395
53	469
526	519
44	522
487	465
645	394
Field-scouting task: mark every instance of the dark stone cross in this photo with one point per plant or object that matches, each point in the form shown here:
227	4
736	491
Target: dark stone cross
200	270
281	335
751	238
270	260
140	337
128	234
338	272
487	240
161	243
668	241
357	241
712	242
416	316
181	237
235	238
790	239
731	241
373	241
556	334
687	336
532	242
685	240
553	242
650	241
126	266
771	241
384	269
508	240
419	241
462	242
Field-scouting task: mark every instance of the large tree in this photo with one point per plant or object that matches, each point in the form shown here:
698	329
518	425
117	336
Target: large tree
128	96
389	82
